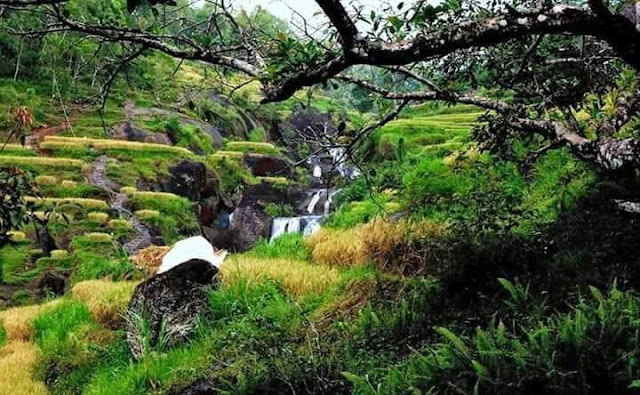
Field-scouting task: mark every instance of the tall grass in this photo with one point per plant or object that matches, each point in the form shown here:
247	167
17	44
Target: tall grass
107	300
17	361
297	278
18	321
96	204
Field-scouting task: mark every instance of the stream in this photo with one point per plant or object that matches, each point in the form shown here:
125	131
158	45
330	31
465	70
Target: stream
98	177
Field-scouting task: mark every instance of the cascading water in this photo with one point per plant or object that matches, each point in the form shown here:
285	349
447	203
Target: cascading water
309	224
314	200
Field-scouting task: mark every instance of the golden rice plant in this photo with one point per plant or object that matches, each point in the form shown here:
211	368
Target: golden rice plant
68	184
18	321
228	155
155	195
59	254
297	278
46	180
107	300
35	251
375	241
97	216
40	161
96	204
147	214
249	145
16	147
97	237
119	224
42	216
16	236
61	145
109	144
17	362
128	190
336	247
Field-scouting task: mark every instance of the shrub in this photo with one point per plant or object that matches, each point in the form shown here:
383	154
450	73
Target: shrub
107	300
46	180
279	210
98	217
592	349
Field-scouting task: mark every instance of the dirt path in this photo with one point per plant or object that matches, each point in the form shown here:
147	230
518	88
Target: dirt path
98	177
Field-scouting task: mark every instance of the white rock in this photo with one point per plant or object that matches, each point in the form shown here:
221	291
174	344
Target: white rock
196	247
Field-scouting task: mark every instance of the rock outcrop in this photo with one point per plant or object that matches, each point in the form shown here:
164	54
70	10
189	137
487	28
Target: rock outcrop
164	309
268	166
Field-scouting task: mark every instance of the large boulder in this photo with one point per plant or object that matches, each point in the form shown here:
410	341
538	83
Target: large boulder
188	179
127	130
248	226
268	166
164	309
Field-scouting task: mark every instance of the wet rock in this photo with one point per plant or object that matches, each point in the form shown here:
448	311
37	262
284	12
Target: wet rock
52	284
248	226
164	309
268	166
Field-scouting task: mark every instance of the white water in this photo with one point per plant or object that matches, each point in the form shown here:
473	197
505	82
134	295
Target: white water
327	204
317	171
306	225
314	200
340	163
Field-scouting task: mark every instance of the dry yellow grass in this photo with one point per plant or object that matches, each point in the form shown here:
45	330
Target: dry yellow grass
98	217
227	155
84	202
296	277
46	180
156	195
150	258
234	145
69	184
40	161
274	180
146	214
119	224
128	190
97	237
17	360
107	144
17	237
59	254
18	321
107	300
375	241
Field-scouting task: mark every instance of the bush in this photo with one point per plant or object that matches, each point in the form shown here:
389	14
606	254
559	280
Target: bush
592	349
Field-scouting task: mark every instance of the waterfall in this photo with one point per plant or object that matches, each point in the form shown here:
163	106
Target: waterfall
312	225
327	204
317	171
306	225
314	200
341	165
